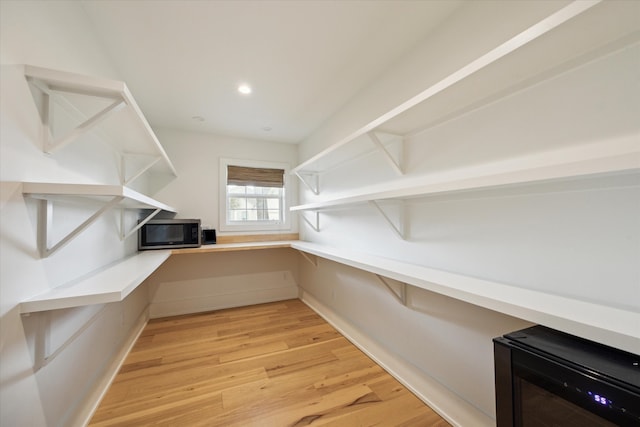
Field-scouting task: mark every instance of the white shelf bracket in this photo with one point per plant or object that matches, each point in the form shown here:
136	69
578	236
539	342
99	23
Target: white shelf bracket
141	170
396	164
396	287
124	234
51	144
45	223
311	258
395	217
311	180
313	224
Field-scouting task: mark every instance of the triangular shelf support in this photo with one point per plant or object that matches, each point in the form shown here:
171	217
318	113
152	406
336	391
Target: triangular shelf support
395	217
108	196
50	143
77	98
125	159
311	180
313	224
45	223
124	234
313	259
395	163
396	287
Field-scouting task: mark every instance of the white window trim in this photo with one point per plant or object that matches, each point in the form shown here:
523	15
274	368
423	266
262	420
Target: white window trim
260	226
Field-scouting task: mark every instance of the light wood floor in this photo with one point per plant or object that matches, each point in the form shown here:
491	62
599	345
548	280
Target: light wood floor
277	364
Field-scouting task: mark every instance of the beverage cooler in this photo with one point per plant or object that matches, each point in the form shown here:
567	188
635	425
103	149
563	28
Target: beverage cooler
548	378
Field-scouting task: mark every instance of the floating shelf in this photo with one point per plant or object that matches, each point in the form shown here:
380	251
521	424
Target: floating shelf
93	104
557	43
552	166
107	196
97	192
390	146
608	325
114	282
110	284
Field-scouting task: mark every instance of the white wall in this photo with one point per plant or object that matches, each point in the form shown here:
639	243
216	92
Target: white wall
470	32
210	281
80	343
579	238
595	104
196	157
552	238
194	283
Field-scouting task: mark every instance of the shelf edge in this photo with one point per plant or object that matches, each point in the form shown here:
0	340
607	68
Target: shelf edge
595	159
552	310
43	189
78	292
521	39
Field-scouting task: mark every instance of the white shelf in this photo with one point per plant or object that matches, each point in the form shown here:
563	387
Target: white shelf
561	41
110	284
557	165
114	282
106	196
131	199
608	325
93	104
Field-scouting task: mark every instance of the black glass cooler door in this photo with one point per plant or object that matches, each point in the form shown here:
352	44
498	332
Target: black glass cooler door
539	407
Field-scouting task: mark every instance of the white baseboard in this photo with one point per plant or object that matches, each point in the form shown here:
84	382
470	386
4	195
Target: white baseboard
447	404
95	397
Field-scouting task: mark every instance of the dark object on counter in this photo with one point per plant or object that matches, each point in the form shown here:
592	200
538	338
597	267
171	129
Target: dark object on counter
209	236
169	234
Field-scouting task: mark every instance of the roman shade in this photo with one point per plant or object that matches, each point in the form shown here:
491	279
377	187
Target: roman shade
259	177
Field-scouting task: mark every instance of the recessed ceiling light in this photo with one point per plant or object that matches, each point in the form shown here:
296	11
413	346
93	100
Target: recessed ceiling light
198	118
266	128
244	89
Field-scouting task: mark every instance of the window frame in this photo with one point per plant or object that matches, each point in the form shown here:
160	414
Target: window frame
224	223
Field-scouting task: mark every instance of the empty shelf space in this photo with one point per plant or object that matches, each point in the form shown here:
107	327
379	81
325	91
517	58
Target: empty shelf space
106	197
103	106
561	41
609	325
110	284
92	192
588	161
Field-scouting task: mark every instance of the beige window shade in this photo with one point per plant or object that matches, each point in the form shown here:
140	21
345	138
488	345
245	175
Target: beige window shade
259	177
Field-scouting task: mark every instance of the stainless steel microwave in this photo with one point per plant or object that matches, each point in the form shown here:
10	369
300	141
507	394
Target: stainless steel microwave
169	234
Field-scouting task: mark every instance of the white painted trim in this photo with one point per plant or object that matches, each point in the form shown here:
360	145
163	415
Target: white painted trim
447	404
91	403
283	226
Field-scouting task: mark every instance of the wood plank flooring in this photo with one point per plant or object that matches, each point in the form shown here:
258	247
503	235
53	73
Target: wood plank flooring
277	364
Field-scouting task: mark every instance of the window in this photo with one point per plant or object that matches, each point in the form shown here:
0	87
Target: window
253	196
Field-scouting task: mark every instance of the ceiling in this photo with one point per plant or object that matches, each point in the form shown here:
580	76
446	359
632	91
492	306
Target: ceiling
184	59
